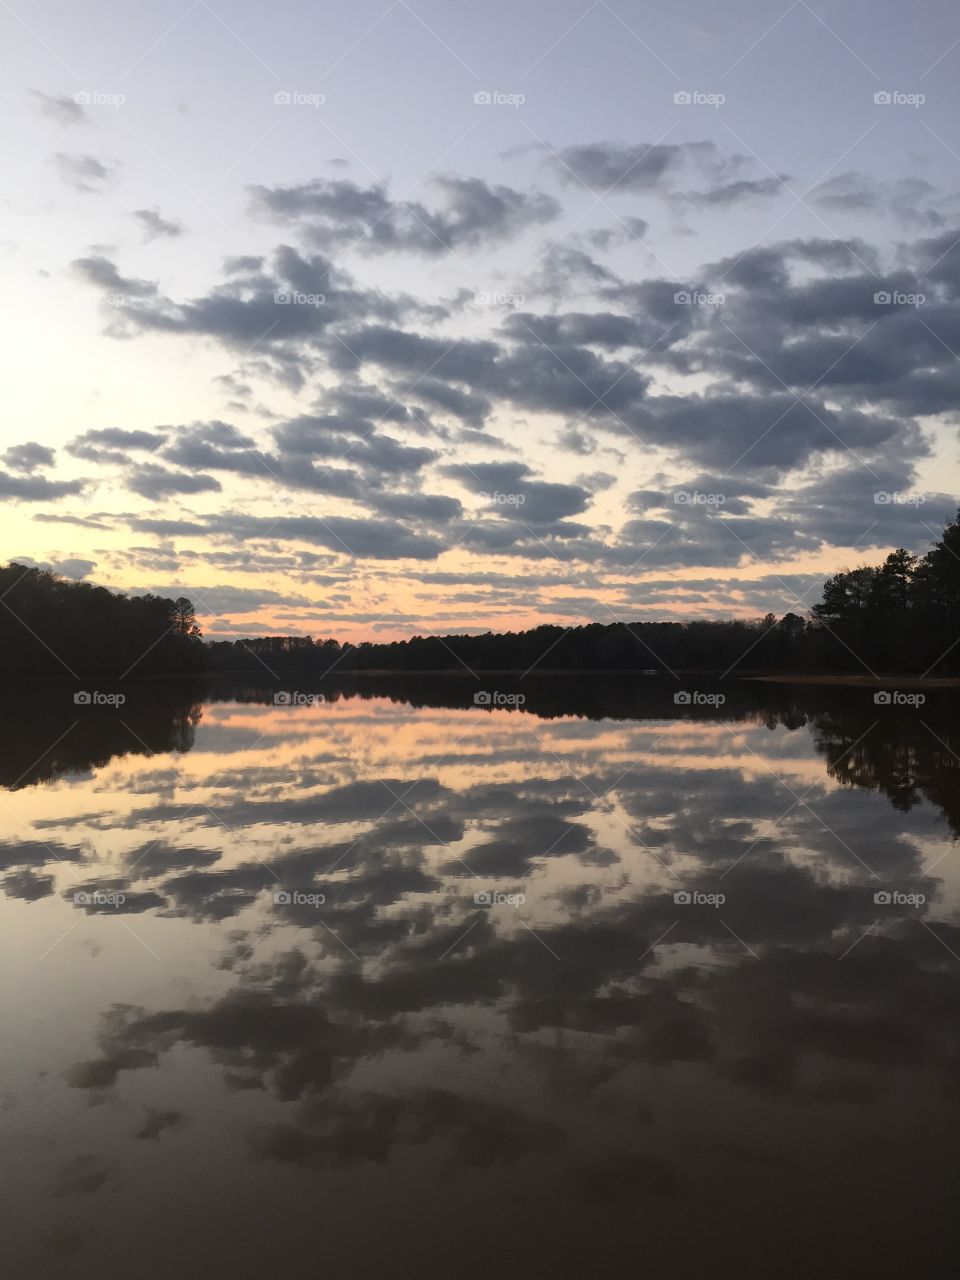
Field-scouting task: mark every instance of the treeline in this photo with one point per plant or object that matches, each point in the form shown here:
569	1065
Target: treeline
617	646
902	616
53	627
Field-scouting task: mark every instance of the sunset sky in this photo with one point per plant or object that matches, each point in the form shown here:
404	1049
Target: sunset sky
370	319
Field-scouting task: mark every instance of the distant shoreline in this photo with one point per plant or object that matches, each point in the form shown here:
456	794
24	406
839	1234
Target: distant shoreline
943	682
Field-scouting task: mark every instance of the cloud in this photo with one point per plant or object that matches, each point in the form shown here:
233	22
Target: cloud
911	201
506	486
73	568
81	522
29	457
786	371
335	212
224	599
154	227
727	194
664	168
59	107
82	1176
38	488
84	173
152	481
372	539
100	271
155	1122
113	444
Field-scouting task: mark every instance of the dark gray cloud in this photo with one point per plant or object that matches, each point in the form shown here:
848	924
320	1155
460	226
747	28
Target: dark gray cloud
346	536
155	482
283	311
694	172
335	211
373	539
37	488
29	457
739	191
507	488
113	444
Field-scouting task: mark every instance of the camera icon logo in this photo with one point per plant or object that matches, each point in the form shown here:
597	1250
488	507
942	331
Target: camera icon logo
81	898
281	898
482	98
682	898
482	698
882	99
683	98
882	298
682	698
484	898
882	498
283	297
682	298
83	98
883	898
882	698
82	698
283	698
282	98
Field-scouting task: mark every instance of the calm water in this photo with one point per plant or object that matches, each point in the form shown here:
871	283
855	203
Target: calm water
207	1070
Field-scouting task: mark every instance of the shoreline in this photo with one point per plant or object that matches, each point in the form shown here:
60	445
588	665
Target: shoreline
863	682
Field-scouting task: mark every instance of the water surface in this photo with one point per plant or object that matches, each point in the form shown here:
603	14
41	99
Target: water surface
389	983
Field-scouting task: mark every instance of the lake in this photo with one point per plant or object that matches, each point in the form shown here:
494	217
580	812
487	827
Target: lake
574	978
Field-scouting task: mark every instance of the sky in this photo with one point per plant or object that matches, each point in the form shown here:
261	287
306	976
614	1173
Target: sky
375	319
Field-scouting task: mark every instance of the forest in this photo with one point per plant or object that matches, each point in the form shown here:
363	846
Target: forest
50	626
